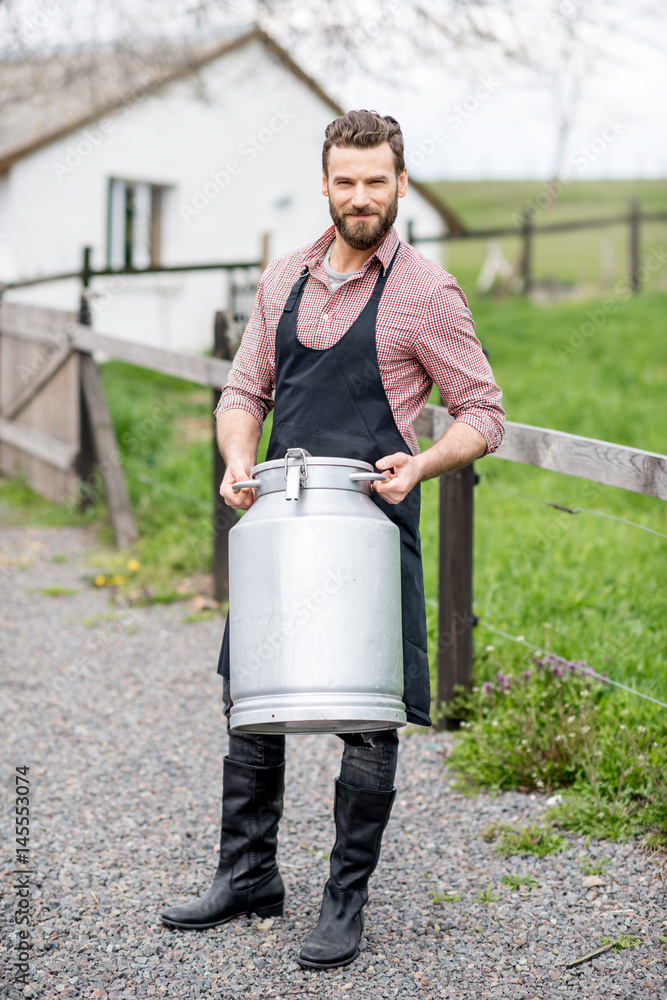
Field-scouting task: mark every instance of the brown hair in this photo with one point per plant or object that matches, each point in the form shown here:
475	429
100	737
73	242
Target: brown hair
364	130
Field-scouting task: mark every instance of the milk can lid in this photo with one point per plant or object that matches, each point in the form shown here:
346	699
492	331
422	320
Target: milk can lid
352	463
300	470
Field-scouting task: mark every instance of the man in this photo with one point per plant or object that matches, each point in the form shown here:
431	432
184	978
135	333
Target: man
351	332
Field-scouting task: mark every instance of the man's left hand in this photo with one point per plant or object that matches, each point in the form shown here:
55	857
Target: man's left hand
406	474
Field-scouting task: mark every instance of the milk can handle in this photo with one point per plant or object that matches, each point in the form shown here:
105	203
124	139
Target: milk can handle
245	484
365	477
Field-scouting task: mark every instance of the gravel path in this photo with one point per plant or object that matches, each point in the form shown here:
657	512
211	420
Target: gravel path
119	721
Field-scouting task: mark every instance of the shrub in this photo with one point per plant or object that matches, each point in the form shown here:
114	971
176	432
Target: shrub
555	727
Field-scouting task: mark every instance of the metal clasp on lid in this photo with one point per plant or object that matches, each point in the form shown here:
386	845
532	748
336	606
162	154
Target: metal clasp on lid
296	471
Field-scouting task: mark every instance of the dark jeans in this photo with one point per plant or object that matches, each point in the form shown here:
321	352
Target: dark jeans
369	759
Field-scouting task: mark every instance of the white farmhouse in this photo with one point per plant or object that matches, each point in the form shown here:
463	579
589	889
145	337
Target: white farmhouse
166	156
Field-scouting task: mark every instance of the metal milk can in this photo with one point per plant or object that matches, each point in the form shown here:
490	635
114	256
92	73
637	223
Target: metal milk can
315	602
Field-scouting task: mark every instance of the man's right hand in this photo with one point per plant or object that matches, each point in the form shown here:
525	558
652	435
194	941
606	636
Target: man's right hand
238	433
236	473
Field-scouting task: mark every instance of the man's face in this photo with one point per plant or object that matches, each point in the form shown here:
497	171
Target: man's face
363	193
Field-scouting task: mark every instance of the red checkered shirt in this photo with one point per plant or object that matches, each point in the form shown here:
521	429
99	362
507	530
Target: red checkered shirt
425	334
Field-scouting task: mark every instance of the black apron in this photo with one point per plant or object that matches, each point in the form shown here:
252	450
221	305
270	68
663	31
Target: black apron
332	403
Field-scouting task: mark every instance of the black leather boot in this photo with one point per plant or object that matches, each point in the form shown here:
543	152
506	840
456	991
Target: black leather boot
361	816
247	879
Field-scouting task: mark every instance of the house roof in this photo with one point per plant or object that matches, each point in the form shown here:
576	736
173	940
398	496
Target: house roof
45	98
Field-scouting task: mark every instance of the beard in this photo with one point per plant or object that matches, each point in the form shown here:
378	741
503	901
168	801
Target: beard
369	232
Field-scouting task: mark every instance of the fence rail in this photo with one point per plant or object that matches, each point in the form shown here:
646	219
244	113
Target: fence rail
526	230
65	341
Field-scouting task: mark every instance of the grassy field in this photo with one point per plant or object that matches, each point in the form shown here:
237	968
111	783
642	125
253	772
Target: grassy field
593	260
588	587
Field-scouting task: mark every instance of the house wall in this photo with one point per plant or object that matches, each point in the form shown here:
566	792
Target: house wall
184	137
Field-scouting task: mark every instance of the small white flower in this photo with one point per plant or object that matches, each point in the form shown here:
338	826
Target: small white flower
641	729
490	649
600	815
520	638
559	738
524	743
571	735
621	727
585	729
495	722
571	718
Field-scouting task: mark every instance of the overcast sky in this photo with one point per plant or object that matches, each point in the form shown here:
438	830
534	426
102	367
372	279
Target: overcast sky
469	114
505	125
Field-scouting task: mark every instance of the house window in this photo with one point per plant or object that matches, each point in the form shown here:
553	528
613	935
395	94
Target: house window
134	224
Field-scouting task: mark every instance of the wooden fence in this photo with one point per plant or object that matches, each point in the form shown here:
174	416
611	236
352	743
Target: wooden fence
527	231
56	431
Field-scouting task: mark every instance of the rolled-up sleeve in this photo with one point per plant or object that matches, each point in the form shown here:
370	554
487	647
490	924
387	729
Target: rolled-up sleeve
252	376
449	350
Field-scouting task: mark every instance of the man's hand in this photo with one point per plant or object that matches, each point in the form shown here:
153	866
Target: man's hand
459	445
402	479
236	473
238	434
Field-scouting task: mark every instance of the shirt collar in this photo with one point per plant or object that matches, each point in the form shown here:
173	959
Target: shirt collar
315	253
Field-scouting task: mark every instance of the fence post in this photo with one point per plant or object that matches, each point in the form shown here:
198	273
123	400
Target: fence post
224	517
635	282
526	253
85	461
99	458
455	617
266	239
84	302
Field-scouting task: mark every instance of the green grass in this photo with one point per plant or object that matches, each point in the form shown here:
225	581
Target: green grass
445	897
587	587
571	257
622	943
534	838
487	895
514	882
58	591
593	867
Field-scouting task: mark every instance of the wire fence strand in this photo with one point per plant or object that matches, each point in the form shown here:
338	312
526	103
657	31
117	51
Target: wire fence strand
569	510
580	667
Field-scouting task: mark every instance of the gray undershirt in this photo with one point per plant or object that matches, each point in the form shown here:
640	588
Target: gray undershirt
336	278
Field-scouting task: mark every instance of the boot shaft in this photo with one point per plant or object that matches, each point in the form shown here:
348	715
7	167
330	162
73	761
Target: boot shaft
361	816
252	806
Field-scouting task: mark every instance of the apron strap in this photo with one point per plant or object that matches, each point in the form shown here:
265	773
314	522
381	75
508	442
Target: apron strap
297	288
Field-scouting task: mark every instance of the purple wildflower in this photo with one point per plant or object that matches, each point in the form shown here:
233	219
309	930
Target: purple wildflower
527	674
503	680
488	687
557	669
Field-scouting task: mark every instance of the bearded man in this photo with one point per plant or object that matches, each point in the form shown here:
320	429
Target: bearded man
351	332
